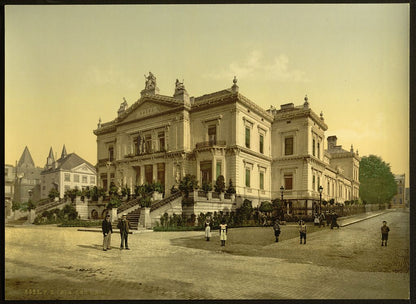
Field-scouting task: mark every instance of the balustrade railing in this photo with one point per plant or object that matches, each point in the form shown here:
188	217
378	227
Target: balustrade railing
210	143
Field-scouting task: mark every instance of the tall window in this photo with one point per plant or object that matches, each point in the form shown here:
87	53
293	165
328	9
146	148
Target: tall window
84	179
288	145
137	143
212	134
148	173
319	183
288	181
319	150
111	154
161	136
161	173
261	180
92	179
327	188
76	178
247	137
313	182
218	169
247	177
313	147
206	171
67	177
148	143
261	144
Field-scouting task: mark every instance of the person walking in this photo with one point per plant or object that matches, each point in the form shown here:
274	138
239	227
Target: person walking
223	232
107	231
334	221
276	228
207	229
384	233
124	226
302	232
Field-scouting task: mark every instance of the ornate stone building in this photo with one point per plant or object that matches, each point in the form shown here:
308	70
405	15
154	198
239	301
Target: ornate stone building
67	172
162	138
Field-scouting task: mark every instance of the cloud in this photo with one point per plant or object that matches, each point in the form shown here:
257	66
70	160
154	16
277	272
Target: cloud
255	66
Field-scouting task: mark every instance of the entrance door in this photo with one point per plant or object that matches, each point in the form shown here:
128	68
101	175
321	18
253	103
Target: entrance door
148	173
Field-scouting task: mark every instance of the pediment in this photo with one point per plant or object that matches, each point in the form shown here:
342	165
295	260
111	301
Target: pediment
83	168
147	108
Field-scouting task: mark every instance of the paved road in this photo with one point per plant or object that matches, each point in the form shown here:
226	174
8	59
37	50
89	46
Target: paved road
63	263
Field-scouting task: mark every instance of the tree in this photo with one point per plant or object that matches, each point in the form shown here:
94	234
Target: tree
53	193
220	184
377	184
266	207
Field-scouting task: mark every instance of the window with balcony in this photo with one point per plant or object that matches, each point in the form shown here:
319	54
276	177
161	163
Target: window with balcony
212	134
289	146
67	177
261	143
288	181
247	141
262	180
247	177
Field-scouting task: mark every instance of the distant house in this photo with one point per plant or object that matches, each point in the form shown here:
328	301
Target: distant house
399	200
68	172
27	179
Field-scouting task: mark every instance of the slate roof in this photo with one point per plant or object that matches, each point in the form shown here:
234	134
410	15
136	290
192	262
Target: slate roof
69	162
26	159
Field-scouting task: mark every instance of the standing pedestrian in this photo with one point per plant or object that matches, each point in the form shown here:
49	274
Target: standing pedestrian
223	232
321	220
334	221
302	232
207	229
107	231
124	226
276	229
384	233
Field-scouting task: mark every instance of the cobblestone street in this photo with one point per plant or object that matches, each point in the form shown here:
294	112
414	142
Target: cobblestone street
45	262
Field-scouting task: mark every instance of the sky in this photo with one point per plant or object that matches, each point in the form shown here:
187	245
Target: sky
67	66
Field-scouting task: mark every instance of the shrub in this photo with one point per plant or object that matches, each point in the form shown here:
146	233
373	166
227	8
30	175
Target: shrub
15	205
188	184
206	187
220	184
266	206
231	189
158	187
53	193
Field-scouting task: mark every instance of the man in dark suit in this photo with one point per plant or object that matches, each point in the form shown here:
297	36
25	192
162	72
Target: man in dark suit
107	231
124	226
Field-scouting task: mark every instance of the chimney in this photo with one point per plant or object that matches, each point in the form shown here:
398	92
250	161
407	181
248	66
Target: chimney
332	142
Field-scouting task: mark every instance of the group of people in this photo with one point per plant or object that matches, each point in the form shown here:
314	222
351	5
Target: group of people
124	227
328	219
107	228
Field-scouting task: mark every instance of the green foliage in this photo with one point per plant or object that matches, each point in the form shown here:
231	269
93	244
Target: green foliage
145	201
231	189
266	206
15	206
114	202
246	209
331	201
96	192
188	184
54	216
30	205
73	193
377	184
158	187
174	190
113	189
53	193
79	223
220	184
206	187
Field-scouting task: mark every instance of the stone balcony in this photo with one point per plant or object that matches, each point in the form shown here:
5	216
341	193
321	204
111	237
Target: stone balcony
211	143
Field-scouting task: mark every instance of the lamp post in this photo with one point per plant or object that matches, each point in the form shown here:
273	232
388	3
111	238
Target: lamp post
320	198
281	192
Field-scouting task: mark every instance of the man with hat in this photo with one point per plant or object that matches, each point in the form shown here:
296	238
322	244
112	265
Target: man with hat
107	231
124	226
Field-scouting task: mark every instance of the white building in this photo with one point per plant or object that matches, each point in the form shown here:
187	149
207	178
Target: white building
162	138
65	173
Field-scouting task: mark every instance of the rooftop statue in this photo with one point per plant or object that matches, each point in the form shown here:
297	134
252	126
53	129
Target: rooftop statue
179	87
150	83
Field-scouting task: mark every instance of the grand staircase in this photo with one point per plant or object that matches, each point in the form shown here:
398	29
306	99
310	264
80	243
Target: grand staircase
165	201
49	205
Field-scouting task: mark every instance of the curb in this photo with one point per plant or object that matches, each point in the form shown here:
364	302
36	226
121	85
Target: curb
363	219
114	230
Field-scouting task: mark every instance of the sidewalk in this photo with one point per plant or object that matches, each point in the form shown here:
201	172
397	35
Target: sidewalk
96	229
352	219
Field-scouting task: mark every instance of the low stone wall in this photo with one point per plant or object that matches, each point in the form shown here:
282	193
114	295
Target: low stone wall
174	206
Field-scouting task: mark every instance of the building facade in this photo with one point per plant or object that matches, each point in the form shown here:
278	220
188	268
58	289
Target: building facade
162	138
399	200
9	179
27	179
68	172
